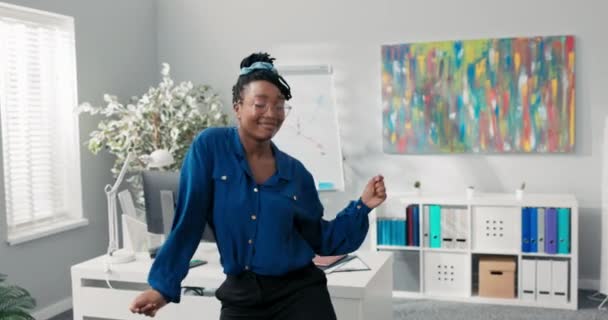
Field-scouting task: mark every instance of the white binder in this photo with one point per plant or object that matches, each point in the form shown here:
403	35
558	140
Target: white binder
543	281
448	227
462	229
559	281
528	279
541	230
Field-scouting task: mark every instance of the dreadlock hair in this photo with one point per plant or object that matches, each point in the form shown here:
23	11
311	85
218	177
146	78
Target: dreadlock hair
259	74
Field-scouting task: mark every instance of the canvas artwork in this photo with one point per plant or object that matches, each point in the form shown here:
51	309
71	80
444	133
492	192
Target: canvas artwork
511	95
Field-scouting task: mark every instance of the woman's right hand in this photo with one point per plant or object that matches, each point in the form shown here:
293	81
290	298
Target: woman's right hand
148	303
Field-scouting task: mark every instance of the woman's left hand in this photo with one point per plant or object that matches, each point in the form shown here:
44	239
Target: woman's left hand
374	193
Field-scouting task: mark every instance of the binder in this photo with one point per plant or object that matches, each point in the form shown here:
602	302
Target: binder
435	222
379	232
559	281
462	229
416	225
410	226
563	230
551	230
525	229
396	233
543	281
405	233
448	225
387	232
528	279
401	227
425	226
541	230
533	229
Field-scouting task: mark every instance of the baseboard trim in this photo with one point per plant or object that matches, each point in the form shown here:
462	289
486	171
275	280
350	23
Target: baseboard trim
53	310
589	284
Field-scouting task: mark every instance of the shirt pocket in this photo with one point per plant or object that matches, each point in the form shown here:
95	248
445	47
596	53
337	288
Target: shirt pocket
288	206
228	199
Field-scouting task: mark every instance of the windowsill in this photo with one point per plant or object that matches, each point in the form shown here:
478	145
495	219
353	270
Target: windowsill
18	237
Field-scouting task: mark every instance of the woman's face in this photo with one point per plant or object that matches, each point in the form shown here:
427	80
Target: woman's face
261	110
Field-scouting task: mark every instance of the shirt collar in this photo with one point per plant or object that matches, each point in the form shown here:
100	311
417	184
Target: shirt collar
283	161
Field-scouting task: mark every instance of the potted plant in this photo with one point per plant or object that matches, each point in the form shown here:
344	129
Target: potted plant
166	117
470	192
15	302
519	193
417	187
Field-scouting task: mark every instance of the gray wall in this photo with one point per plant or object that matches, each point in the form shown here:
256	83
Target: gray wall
204	41
116	53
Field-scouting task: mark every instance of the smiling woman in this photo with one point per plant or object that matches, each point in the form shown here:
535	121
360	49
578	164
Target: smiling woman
264	210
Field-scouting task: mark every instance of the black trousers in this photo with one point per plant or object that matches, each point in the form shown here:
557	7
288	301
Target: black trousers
301	294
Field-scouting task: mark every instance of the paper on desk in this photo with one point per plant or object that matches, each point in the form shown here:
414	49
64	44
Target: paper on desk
353	264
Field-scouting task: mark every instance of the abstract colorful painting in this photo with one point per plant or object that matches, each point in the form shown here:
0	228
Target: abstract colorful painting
512	95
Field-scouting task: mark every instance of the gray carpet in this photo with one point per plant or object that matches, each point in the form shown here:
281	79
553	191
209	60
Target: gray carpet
405	309
439	310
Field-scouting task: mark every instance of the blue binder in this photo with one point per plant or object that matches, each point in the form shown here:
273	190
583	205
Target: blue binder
551	230
416	226
402	229
525	229
385	232
379	232
533	229
405	235
397	240
391	232
563	230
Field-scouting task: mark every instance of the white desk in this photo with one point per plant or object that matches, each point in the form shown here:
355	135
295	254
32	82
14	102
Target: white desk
355	295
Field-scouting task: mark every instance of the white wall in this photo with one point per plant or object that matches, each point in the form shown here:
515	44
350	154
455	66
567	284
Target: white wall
204	41
116	53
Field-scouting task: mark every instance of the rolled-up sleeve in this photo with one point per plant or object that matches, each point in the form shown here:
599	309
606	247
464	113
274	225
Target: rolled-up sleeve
342	235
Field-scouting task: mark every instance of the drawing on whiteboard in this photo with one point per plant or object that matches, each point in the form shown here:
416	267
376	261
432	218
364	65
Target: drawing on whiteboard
310	132
301	121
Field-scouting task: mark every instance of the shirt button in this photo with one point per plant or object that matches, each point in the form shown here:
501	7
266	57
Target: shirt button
224	177
294	197
246	267
358	206
250	241
255	189
253	217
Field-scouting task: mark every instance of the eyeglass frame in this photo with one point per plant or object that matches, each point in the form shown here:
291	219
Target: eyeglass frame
286	109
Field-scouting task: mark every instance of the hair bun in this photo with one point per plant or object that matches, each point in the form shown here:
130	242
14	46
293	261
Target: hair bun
256	57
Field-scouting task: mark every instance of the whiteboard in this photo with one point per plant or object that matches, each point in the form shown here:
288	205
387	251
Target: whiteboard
310	132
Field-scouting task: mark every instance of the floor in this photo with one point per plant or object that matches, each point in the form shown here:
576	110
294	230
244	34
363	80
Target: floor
407	309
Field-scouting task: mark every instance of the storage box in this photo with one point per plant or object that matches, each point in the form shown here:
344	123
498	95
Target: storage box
497	277
496	229
447	274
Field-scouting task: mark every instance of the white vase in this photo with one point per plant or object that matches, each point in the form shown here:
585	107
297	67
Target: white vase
470	192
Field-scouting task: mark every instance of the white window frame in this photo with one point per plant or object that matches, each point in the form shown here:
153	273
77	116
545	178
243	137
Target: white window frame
69	214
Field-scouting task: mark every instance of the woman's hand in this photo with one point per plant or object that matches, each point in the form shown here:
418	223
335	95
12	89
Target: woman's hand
374	193
148	303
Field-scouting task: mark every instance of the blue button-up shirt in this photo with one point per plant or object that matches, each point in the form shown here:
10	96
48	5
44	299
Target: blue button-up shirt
270	228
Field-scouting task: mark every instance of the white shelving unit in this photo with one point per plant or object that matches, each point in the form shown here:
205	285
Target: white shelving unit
504	207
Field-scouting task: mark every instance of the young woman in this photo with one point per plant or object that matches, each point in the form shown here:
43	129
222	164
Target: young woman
264	209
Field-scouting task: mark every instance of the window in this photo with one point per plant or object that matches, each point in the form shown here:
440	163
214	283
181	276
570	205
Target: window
40	141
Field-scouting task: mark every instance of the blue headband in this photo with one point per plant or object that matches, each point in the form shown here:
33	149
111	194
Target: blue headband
258	66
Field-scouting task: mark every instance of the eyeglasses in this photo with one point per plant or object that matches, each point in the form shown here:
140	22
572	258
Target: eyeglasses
262	106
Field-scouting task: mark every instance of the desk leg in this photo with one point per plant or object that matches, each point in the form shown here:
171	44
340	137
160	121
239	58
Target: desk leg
76	295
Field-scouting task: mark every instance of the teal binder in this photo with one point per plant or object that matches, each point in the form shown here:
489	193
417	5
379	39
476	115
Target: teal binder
435	226
563	230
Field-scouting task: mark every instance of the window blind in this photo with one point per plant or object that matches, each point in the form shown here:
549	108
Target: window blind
40	145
